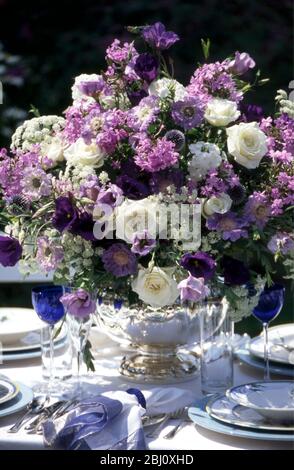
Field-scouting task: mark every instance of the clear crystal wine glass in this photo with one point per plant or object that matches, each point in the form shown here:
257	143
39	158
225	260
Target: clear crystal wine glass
270	304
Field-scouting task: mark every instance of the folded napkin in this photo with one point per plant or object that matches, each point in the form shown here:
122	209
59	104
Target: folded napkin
110	421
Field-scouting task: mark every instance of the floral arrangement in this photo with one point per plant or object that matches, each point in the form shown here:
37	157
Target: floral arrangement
133	141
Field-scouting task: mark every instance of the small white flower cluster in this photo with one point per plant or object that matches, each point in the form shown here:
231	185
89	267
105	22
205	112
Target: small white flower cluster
243	307
286	106
172	195
208	242
38	130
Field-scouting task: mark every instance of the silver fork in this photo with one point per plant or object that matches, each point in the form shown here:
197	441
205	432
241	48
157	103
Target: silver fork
174	415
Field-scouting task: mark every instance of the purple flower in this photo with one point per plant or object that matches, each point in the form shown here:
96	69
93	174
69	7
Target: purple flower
257	209
193	289
112	196
143	243
65	214
155	157
241	63
161	180
229	224
79	303
36	183
120	53
234	271
132	188
141	116
135	96
237	193
146	67
92	87
281	242
251	112
119	260
48	254
156	36
199	264
10	251
188	112
83	226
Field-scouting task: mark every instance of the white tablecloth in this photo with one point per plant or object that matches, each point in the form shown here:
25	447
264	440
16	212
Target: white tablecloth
107	378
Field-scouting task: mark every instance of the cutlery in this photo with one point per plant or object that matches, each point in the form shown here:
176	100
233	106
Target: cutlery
174	415
35	407
178	427
47	412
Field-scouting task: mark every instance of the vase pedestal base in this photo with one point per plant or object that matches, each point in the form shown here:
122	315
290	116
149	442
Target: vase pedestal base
160	369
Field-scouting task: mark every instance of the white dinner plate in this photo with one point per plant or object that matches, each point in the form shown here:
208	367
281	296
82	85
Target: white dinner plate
17	323
23	398
30	342
281	344
225	410
8	390
272	399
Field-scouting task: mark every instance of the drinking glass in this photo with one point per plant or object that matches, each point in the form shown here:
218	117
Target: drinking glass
270	304
47	305
216	347
62	352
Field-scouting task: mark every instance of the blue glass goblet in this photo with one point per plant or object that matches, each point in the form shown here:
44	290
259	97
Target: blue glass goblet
46	302
270	304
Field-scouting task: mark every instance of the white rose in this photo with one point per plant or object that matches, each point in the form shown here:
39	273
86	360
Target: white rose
136	216
217	204
163	87
81	154
247	143
54	150
205	156
221	112
156	287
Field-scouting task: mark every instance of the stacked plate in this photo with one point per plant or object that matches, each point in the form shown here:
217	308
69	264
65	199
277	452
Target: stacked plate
259	410
20	334
281	350
13	396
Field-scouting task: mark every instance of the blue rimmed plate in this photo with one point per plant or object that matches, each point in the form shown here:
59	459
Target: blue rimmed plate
23	398
280	369
198	414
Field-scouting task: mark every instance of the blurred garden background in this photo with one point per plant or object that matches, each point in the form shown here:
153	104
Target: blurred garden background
44	44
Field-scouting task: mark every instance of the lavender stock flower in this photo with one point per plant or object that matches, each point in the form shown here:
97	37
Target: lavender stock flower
199	264
10	251
79	303
158	37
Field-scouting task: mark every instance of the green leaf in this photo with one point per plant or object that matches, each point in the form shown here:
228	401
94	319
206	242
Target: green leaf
205	43
34	111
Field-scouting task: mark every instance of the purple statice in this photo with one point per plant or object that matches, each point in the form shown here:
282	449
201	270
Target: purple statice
90	187
143	243
161	180
119	260
141	116
74	123
213	80
229	225
36	183
49	255
158	37
257	209
146	67
10	251
120	53
112	130
251	113
219	180
199	264
79	303
83	225
188	113
280	137
132	188
155	157
177	137
241	63
281	242
235	272
193	289
111	196
65	214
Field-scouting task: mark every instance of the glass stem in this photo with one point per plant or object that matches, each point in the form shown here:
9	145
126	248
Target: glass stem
266	352
51	364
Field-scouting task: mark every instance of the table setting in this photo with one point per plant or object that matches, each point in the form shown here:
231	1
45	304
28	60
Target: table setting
163	216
